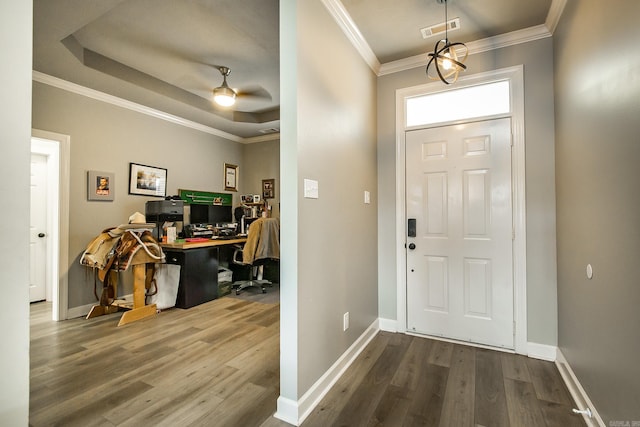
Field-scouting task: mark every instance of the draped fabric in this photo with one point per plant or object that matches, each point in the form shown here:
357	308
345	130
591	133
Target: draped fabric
263	240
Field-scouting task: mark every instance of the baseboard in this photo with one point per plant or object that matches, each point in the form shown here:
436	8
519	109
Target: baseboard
542	351
577	392
83	310
388	325
296	412
80	311
287	411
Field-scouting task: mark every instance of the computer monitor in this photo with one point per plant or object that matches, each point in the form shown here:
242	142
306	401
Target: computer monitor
210	214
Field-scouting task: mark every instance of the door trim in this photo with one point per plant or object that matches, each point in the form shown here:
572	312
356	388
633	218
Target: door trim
515	77
60	225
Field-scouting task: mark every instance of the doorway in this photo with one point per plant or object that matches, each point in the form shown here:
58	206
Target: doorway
459	255
514	323
53	151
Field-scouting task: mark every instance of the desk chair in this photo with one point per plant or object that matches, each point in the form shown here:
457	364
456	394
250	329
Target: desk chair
261	247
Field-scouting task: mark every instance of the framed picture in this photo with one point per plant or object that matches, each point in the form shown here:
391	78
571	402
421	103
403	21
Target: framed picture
100	186
268	188
147	180
230	177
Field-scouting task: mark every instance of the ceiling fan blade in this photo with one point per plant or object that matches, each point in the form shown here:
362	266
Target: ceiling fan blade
256	92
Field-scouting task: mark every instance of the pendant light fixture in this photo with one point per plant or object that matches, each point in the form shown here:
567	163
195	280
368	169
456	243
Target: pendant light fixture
224	95
445	63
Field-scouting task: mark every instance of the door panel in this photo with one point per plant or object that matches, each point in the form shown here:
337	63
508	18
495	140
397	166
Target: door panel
38	229
460	274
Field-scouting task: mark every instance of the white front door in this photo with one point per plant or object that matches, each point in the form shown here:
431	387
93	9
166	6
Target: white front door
38	228
459	264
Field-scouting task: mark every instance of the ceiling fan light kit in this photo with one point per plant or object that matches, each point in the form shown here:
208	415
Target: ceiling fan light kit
224	95
447	60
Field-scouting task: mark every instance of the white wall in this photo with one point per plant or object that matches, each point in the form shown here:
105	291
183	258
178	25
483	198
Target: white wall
15	122
106	138
328	135
537	58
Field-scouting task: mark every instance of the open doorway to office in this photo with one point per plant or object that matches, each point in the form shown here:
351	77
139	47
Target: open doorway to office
51	151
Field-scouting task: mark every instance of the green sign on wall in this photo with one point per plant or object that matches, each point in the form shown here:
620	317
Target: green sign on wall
193	197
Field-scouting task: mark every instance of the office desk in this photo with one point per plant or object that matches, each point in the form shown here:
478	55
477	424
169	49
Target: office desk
198	269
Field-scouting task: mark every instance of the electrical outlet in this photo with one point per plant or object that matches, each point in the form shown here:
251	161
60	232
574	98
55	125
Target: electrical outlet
345	321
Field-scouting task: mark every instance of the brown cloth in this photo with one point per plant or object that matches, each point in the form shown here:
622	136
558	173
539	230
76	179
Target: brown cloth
263	240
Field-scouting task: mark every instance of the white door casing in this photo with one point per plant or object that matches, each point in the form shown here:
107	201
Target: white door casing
459	274
515	76
57	148
38	233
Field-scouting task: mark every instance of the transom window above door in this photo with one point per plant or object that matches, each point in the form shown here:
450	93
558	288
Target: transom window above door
459	104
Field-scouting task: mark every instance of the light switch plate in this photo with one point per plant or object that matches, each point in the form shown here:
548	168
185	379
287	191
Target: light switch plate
367	197
310	189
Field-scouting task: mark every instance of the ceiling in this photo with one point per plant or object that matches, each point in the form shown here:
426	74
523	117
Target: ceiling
164	54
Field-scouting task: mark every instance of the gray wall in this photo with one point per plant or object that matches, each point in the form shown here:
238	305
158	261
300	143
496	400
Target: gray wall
597	154
15	114
106	138
260	161
537	58
329	124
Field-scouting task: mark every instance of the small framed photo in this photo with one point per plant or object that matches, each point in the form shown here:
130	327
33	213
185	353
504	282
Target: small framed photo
256	198
230	177
247	198
268	188
147	180
100	186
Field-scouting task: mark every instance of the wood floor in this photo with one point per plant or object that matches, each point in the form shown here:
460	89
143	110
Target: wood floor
217	364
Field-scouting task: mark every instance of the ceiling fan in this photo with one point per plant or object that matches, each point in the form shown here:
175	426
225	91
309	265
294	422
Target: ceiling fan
225	96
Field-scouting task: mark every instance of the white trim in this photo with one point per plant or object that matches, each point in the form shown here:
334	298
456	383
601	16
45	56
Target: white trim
61	244
542	351
515	76
555	12
261	138
351	30
577	391
296	412
503	40
114	100
388	325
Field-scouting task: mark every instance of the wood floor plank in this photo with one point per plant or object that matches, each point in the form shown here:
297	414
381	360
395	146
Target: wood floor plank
363	402
441	353
426	405
523	404
392	408
490	400
458	407
333	403
514	366
560	415
547	383
416	358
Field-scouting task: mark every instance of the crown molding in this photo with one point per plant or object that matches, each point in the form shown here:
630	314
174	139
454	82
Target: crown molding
490	43
261	138
344	21
123	103
555	12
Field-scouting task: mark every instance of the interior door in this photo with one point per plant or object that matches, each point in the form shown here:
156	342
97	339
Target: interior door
38	228
459	259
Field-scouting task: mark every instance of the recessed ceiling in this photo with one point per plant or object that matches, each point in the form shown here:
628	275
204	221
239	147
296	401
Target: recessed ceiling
164	54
